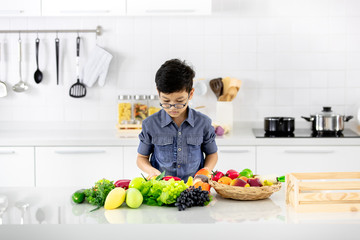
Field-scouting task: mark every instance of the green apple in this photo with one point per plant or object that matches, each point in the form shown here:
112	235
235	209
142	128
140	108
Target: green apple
247	173
137	183
134	198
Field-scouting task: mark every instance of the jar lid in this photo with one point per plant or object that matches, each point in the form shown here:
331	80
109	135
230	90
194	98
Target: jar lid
140	97
154	97
124	97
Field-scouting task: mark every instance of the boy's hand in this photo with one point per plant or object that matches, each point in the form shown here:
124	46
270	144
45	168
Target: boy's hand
153	173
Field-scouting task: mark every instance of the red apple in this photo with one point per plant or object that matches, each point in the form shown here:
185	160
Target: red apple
232	173
254	182
238	182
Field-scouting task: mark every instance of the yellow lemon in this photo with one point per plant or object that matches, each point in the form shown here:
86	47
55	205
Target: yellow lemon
115	198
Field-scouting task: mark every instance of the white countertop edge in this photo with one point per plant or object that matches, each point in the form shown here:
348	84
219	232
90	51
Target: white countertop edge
105	134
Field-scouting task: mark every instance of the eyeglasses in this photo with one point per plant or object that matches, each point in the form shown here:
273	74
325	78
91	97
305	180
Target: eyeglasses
176	105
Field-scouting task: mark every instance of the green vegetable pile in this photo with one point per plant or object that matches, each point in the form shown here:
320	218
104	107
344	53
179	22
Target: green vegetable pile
97	194
160	192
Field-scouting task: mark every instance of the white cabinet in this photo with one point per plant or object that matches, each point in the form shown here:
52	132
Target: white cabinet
20	8
131	170
282	160
83	8
168	7
16	166
77	166
236	157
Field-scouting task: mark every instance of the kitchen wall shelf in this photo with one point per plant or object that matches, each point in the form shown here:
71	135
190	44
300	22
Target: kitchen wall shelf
98	31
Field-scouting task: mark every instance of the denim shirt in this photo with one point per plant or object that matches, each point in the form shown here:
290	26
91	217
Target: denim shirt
179	151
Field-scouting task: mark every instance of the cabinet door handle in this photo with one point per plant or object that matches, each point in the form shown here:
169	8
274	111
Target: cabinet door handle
79	151
170	11
234	151
309	151
8	12
7	152
83	11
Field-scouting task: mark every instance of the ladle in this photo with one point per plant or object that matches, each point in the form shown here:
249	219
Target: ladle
38	76
3	206
21	86
23	207
3	89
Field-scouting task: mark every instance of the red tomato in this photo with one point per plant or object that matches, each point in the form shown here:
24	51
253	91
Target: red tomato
217	175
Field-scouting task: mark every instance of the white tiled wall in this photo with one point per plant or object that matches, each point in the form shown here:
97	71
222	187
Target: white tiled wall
293	56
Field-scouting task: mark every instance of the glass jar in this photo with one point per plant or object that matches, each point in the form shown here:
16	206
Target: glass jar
154	104
124	108
140	107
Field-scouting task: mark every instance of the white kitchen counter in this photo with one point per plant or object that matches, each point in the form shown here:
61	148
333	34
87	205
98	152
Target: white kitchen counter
105	134
242	218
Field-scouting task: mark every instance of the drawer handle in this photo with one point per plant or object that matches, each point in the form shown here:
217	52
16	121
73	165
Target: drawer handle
7	152
79	151
234	151
309	151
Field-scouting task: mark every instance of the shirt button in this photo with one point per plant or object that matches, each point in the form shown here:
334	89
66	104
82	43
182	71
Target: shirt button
179	133
179	149
179	166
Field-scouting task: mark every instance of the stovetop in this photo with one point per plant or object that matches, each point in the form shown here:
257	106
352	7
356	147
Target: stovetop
306	133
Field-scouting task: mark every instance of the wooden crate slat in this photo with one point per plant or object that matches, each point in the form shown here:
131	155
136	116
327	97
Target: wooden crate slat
336	196
327	175
338	185
328	207
329	202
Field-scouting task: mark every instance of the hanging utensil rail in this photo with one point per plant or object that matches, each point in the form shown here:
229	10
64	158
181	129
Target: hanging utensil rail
97	31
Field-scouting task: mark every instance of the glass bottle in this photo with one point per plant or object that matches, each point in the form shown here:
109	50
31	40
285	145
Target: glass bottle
140	107
154	104
125	109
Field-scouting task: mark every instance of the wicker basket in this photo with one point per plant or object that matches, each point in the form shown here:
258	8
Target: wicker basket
244	193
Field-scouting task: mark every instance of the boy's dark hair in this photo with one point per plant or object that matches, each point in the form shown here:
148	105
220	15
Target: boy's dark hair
174	76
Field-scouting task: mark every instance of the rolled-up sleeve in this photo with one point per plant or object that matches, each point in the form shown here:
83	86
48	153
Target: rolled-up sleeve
145	146
209	145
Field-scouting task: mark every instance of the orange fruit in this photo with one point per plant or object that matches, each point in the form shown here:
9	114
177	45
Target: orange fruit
204	172
204	186
225	180
244	178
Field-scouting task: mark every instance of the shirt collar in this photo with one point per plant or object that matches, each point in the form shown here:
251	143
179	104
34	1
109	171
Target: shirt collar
166	119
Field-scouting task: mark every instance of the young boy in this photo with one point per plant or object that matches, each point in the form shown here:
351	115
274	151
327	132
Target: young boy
176	137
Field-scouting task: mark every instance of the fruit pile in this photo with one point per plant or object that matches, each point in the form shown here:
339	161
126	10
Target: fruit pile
245	178
158	191
109	195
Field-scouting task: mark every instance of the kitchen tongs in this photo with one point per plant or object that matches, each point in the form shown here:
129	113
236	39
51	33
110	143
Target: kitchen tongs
77	90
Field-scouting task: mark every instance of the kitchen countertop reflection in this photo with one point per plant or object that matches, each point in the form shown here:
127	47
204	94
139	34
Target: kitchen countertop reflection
54	206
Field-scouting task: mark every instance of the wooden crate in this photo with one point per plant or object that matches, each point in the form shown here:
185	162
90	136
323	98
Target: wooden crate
128	130
323	192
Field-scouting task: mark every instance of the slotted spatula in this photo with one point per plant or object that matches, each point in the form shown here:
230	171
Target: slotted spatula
216	86
77	90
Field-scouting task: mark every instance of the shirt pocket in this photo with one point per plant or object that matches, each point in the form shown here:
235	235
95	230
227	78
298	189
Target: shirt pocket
163	148
194	145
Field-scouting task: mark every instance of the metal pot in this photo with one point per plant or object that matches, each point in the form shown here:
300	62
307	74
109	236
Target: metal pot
327	121
276	125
